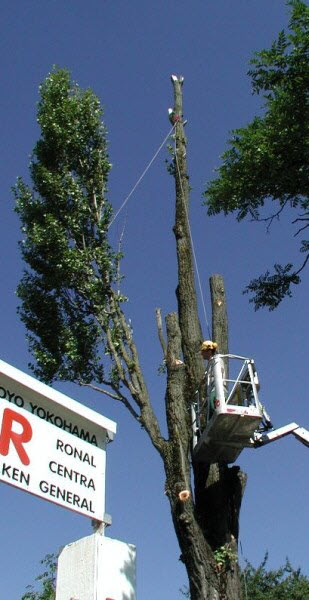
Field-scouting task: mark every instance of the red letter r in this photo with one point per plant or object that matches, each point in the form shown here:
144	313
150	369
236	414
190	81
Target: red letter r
18	439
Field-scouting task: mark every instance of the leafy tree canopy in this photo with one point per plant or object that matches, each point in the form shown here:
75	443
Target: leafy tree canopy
268	161
284	583
65	218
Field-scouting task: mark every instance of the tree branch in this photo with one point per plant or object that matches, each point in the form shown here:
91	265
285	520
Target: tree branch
119	252
117	396
220	332
131	375
270	219
303	265
301	228
160	331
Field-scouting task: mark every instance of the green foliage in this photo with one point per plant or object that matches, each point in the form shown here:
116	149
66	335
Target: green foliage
224	556
284	583
65	218
270	289
267	161
47	581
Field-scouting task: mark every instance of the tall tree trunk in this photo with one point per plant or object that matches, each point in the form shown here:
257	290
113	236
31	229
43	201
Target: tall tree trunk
206	526
191	332
220	331
195	551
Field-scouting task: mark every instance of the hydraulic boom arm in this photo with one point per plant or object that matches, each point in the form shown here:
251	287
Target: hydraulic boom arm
301	434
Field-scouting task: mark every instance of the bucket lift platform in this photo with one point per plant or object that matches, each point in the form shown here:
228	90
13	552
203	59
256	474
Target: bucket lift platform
227	434
235	418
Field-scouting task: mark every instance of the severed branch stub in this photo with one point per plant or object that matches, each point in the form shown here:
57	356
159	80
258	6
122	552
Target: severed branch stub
160	331
175	114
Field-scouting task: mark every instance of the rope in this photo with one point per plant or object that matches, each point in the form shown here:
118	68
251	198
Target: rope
186	212
192	245
141	177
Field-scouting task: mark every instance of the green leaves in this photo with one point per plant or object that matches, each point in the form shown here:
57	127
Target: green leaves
267	161
47	581
224	556
72	132
284	583
269	289
259	583
65	218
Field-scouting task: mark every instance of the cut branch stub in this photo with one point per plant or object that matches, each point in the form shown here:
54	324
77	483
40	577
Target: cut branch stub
160	331
219	313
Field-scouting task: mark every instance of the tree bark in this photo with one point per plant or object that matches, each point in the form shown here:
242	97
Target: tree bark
209	523
205	521
220	331
191	332
195	551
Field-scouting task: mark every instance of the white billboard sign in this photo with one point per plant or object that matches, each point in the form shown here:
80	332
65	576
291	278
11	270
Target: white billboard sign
39	458
51	445
23	391
96	568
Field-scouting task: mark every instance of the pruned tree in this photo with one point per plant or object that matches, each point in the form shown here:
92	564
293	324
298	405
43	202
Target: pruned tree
78	330
268	160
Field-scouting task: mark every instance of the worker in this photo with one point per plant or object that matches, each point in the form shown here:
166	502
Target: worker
208	351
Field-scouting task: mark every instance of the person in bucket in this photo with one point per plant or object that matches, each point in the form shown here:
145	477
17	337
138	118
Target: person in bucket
208	351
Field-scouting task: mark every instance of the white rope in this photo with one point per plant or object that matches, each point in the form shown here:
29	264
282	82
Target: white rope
192	245
141	177
186	211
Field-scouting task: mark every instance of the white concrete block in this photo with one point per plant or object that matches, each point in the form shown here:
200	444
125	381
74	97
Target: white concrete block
97	568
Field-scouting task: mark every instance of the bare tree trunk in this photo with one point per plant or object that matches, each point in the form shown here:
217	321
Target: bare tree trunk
209	524
195	551
220	331
191	332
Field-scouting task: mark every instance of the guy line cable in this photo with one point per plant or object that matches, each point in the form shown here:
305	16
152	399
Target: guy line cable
186	211
141	177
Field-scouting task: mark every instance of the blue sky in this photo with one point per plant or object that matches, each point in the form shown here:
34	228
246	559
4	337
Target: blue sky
126	52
